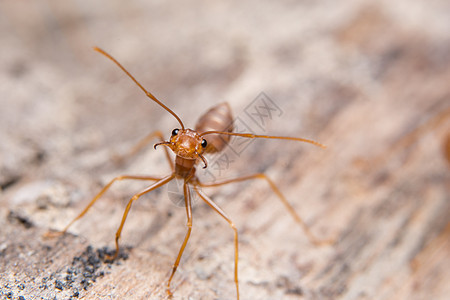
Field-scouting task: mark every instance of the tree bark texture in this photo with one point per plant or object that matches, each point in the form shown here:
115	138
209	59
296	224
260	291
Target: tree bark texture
369	80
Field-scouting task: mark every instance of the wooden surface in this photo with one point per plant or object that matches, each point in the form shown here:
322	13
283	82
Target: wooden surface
371	81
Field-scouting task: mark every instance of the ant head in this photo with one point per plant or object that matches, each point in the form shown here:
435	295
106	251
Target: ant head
187	144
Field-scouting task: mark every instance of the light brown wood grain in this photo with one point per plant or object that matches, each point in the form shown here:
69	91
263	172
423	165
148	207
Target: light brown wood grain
368	80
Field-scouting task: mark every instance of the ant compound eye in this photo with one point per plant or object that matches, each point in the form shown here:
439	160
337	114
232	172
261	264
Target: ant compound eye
204	143
175	131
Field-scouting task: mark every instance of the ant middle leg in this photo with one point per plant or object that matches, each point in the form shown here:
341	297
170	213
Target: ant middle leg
311	237
105	188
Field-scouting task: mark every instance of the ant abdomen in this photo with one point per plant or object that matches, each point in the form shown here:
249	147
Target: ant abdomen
218	118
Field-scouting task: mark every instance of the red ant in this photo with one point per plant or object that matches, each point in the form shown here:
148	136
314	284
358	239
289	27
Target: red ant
211	135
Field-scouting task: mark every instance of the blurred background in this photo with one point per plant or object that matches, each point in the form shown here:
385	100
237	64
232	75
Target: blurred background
369	80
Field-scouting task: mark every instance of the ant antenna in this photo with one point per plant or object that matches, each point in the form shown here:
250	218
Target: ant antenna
254	136
142	88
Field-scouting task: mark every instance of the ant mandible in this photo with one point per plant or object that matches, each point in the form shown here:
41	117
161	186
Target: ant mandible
211	134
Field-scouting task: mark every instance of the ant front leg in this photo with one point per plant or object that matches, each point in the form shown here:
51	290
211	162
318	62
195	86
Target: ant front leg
223	215
312	238
187	202
154	186
144	142
105	188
